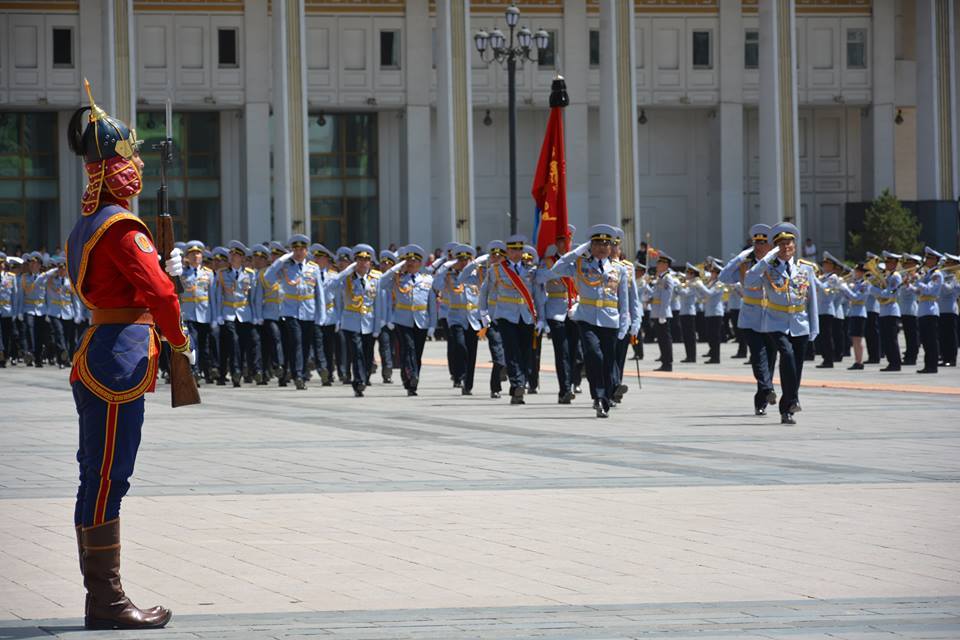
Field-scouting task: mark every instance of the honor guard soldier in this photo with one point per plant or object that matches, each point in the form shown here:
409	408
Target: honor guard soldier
763	352
711	295
926	287
357	286
856	293
791	317
387	343
31	305
235	317
512	284
266	315
947	302
886	294
463	314
8	296
303	305
496	253
325	335
603	312
556	298
907	298
661	293
61	311
414	311
116	273
197	304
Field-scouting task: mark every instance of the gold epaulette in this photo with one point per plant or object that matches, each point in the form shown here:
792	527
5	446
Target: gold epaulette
807	262
249	270
313	263
375	273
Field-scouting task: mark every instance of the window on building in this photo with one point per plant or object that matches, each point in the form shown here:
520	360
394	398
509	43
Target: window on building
193	182
228	44
751	49
344	200
856	48
594	47
63	47
548	56
389	49
702	51
29	187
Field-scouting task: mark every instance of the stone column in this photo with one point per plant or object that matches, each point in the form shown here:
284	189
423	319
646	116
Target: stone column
779	162
618	120
732	231
418	201
454	123
291	180
883	108
576	61
120	100
936	91
256	225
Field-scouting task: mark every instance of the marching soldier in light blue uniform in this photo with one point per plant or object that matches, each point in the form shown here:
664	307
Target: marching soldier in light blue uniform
325	336
387	342
303	304
357	286
686	293
636	315
8	297
556	298
463	314
926	288
947	302
512	284
661	294
197	304
61	311
792	318
711	296
828	299
414	311
235	292
907	299
763	351
603	312
344	258
496	253
872	327
31	305
266	315
531	259
856	293
886	296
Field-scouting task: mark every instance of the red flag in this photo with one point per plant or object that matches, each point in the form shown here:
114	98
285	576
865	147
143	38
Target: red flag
550	185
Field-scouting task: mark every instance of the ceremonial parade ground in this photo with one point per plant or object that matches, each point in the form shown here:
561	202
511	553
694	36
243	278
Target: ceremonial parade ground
277	513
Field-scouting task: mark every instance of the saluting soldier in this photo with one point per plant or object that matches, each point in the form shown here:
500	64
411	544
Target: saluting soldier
603	311
266	315
357	286
886	295
343	259
61	311
791	317
303	306
711	295
197	304
31	303
927	289
463	314
414	311
325	337
235	316
387	343
496	253
556	298
512	283
661	293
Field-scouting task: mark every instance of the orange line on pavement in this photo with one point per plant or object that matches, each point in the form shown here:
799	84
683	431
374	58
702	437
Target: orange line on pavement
716	377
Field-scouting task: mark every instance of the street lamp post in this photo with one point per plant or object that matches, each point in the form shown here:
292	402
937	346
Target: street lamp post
511	49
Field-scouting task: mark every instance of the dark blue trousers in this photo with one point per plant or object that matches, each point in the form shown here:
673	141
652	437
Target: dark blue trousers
930	339
497	356
791	350
464	362
763	358
600	356
563	352
109	439
517	348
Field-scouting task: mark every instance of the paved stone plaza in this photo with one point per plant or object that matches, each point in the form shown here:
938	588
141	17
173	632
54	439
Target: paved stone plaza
273	513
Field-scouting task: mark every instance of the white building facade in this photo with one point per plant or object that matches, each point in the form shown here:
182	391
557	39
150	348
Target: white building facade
376	120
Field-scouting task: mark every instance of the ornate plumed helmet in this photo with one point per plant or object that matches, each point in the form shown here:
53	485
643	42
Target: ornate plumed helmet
108	147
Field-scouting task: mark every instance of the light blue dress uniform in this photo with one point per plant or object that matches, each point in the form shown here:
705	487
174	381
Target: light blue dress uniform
661	293
510	305
32	292
463	295
907	299
734	299
551	294
857	295
413	299
332	316
949	292
751	297
360	299
887	296
687	295
61	301
8	294
266	295
603	288
927	290
711	296
634	305
199	298
791	306
301	290
235	293
825	294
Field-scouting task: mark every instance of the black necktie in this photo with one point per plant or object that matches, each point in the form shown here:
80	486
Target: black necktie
516	268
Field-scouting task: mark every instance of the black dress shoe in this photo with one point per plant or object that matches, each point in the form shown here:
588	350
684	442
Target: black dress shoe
221	382
771	398
466	392
711	361
457	384
795	408
411	392
872	361
787	418
236	382
495	395
856	366
565	398
618	392
910	363
689	360
300	384
926	370
602	410
516	396
759	411
890	367
532	391
825	365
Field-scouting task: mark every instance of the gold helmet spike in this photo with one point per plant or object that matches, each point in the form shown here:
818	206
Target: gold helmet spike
96	113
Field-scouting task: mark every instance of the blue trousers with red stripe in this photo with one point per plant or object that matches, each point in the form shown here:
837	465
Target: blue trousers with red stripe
109	439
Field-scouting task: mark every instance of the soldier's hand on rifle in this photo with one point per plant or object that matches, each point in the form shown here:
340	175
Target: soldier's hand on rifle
191	356
174	265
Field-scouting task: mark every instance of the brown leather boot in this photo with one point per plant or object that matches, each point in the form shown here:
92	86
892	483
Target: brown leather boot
109	607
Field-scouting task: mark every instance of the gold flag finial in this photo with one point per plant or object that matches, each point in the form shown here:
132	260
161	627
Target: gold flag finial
96	113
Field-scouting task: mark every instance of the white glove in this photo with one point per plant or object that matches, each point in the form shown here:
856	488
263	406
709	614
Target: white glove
771	255
174	265
661	321
546	328
635	331
390	326
287	257
813	336
449	263
485	320
622	333
540	326
583	249
220	321
743	255
20	317
191	357
430	332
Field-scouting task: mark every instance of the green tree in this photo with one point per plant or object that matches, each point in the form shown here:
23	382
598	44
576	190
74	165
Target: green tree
887	225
